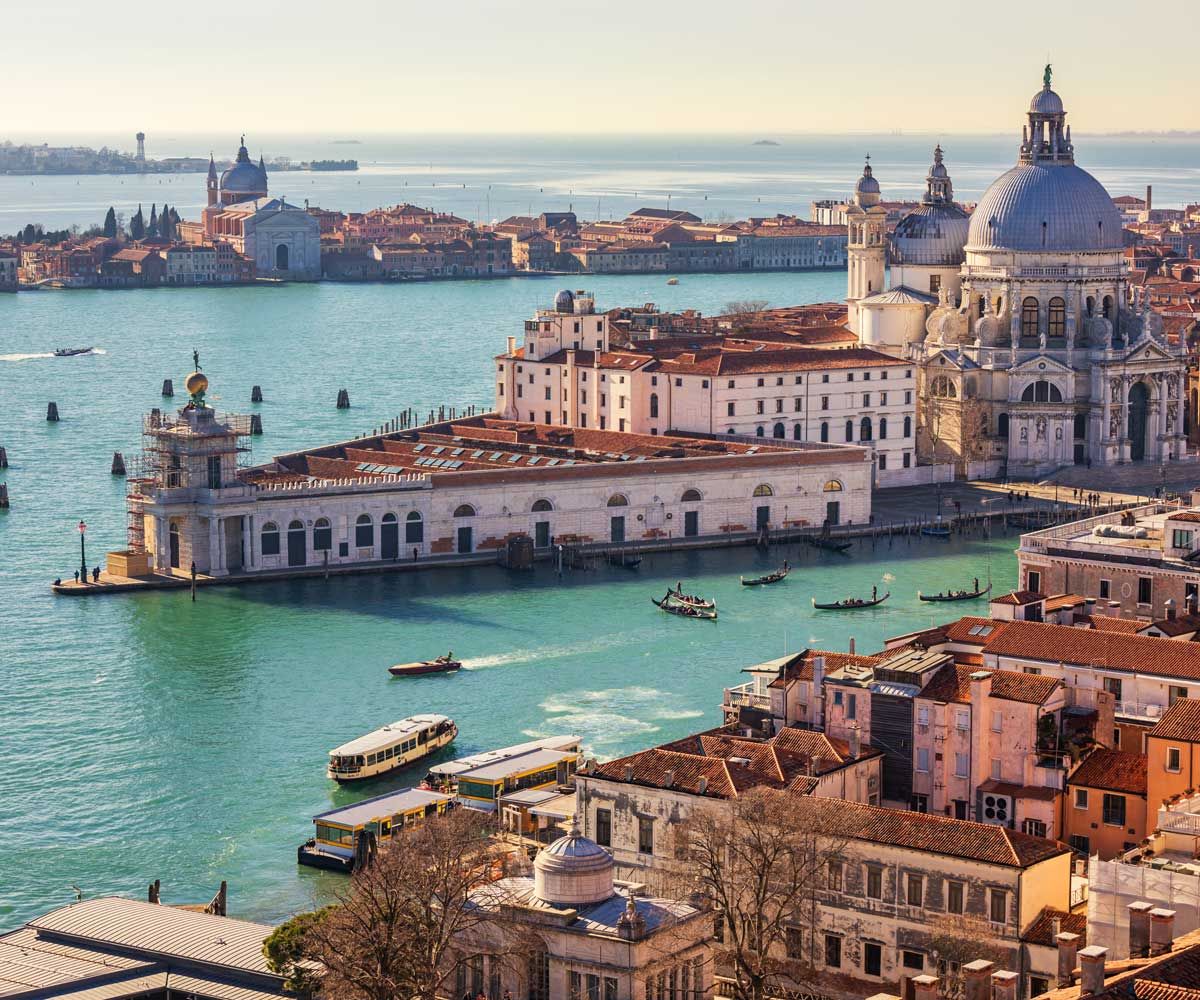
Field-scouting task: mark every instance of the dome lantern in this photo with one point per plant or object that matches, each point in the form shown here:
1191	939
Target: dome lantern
866	191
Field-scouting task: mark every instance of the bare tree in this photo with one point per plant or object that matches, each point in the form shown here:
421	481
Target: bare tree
761	862
956	940
744	307
411	917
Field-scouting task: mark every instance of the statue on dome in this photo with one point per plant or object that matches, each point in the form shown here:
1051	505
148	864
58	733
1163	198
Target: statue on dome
1046	76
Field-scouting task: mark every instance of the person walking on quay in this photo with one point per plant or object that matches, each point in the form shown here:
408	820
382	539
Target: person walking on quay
77	576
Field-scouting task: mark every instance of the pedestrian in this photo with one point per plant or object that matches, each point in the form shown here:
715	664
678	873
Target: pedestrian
96	574
414	553
77	576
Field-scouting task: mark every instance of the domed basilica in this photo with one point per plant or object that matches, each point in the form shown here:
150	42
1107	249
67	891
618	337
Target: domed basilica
1030	353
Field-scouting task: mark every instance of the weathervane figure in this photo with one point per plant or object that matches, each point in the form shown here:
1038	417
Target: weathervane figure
196	359
1046	76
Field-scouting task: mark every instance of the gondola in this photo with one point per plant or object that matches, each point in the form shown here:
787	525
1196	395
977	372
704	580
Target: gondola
936	530
959	595
625	561
691	600
852	604
828	544
761	581
685	610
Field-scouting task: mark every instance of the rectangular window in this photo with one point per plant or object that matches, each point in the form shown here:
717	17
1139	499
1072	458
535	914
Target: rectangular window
1038	985
960	765
962	719
1082	845
915	896
1113	686
1181	539
779	406
799	380
1175	692
883	396
825	377
679	383
793	943
998	906
997	721
520	391
955	896
1173	759
923	715
874	882
645	835
852	706
704	383
883	461
1145	590
761	383
604	827
729	409
833	951
866	399
913	960
922	759
1034	581
1105	589
797	404
731	383
835	876
824	402
872	959
850	377
1114	810
1081	798
907	460
759	406
996	768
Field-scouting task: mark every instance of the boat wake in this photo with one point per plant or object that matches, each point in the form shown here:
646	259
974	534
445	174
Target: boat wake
544	653
24	357
611	715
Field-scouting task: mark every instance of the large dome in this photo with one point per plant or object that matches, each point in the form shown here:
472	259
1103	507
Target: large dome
244	177
932	235
573	871
1045	206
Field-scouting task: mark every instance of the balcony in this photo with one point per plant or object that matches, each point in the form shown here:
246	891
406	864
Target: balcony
748	695
1140	711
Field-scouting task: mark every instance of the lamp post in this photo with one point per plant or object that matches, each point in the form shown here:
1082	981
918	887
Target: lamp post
82	553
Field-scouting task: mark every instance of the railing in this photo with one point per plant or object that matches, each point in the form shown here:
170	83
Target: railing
1057	271
1074	529
1137	710
414	480
746	695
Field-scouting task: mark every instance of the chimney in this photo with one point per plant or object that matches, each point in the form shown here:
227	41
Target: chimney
851	645
1139	929
1162	930
1068	948
925	987
855	743
1091	969
702	785
1149	201
976	979
669	779
816	702
1004	985
512	346
1169	605
629	772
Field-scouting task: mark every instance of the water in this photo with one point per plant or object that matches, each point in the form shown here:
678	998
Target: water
716	177
149	737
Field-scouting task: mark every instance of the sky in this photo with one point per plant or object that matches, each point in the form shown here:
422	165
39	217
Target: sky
603	66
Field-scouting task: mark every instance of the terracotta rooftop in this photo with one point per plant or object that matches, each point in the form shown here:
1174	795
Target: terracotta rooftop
1016	598
1181	721
1112	770
1179	625
953	684
1106	623
1041	930
800	667
1112	650
1173	976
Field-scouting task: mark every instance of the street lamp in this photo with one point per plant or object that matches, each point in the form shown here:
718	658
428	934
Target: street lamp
82	553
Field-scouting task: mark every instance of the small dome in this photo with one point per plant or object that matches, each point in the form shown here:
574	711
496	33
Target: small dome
866	191
1046	102
931	234
573	871
564	301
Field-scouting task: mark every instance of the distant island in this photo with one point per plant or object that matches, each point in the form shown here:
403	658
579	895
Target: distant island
44	159
765	142
345	142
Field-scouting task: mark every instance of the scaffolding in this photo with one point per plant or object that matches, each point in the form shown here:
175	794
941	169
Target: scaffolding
176	455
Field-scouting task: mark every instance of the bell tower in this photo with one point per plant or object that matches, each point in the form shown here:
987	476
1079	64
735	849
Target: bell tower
866	244
213	192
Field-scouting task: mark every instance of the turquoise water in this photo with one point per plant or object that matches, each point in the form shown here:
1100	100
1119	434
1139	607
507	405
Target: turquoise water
149	737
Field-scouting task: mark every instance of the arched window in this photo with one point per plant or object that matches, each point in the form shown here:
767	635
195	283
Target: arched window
1029	317
864	429
270	539
541	505
882	428
1091	305
1041	392
849	430
618	500
824	431
1002	425
1106	307
281	257
1080	426
981	306
414	528
690	496
760	432
763	490
779	431
908	427
943	388
797	432
364	532
832	486
654	404
322	535
1057	320
464	510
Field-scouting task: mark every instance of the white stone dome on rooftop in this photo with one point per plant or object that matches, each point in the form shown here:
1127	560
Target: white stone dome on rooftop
573	871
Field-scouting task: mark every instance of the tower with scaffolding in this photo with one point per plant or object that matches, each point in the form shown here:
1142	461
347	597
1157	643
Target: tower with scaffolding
192	456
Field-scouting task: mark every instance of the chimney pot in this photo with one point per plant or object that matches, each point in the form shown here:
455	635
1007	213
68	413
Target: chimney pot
1162	930
1091	969
851	645
924	987
976	979
1068	948
1004	985
629	772
702	785
1139	929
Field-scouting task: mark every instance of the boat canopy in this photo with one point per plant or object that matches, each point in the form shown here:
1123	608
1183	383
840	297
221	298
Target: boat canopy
387	735
453	768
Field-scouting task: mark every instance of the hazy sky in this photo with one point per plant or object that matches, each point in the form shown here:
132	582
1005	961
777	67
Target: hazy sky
346	67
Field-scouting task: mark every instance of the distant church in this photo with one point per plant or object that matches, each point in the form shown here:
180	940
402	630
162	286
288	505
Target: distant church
283	240
1029	353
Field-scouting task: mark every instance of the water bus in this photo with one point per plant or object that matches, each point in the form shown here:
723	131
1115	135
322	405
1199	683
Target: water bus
391	747
344	837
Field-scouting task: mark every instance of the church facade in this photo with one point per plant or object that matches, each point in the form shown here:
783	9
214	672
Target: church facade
1031	353
283	240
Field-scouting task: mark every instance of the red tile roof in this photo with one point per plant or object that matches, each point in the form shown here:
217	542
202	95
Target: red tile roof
1182	720
1113	770
1041	930
1017	598
1106	623
800	668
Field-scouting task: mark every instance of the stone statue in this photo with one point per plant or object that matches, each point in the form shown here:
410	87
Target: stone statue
195	360
1046	76
1041	428
1042	340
